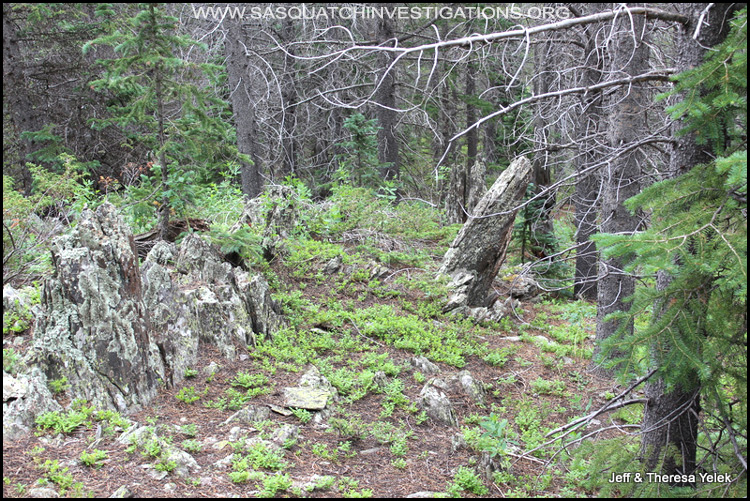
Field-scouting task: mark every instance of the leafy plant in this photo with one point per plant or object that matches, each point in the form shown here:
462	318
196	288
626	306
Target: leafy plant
93	458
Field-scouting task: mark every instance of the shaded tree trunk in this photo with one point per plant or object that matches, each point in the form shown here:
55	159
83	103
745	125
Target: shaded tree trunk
542	229
590	124
289	140
621	178
15	90
385	97
472	142
244	113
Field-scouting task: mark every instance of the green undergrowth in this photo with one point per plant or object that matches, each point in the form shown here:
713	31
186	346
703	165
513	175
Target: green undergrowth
360	322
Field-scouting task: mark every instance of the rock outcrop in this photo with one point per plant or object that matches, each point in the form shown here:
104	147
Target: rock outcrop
119	331
475	256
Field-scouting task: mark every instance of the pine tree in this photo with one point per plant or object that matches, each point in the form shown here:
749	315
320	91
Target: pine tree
162	99
698	238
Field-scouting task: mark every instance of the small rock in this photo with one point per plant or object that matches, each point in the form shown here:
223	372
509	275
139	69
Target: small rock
425	366
367	452
304	397
333	265
234	434
249	414
424	494
280	410
437	405
211	369
43	492
122	492
286	432
458	442
220	444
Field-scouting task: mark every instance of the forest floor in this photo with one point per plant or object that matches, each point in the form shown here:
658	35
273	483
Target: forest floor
375	441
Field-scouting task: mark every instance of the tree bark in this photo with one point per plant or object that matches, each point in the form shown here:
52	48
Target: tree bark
590	123
16	90
621	178
385	97
244	113
472	140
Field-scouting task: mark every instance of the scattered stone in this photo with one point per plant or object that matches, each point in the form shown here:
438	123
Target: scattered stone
122	492
222	464
249	414
280	410
211	369
234	434
379	272
220	444
437	405
305	397
154	473
487	466
321	417
314	379
380	380
425	366
333	265
43	492
458	442
186	464
367	452
285	433
170	487
424	494
464	382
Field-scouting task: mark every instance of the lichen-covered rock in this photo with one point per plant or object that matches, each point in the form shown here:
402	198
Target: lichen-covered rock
424	366
24	398
95	328
249	414
437	405
119	332
475	256
306	397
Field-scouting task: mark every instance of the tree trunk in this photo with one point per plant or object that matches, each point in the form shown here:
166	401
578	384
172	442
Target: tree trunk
472	140
542	229
242	107
670	420
620	181
290	141
590	123
385	97
23	113
476	254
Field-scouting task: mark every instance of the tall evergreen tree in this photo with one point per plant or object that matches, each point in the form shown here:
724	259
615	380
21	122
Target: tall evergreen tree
697	247
161	101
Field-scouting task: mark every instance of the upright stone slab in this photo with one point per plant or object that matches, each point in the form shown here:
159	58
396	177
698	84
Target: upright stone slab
476	254
94	329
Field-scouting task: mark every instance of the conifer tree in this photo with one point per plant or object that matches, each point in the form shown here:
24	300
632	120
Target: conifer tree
162	100
697	239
